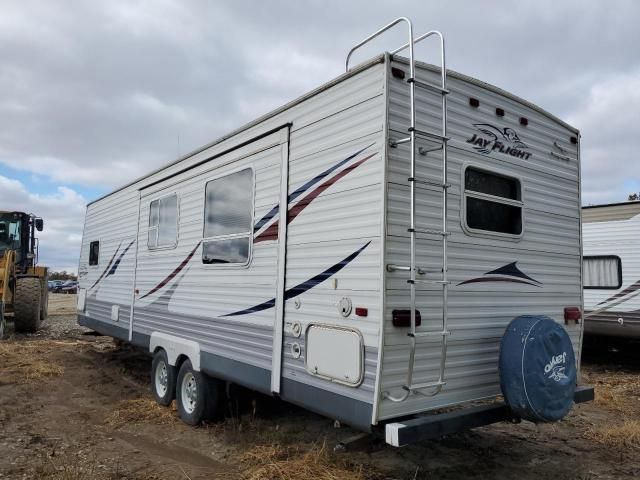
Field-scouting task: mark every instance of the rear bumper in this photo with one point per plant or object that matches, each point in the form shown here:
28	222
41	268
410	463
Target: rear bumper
428	427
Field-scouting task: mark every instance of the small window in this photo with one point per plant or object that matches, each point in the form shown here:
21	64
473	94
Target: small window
163	222
602	272
228	219
94	253
493	202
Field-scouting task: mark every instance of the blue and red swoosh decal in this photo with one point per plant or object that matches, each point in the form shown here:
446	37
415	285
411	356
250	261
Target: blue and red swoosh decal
112	266
507	273
304	286
271	219
177	270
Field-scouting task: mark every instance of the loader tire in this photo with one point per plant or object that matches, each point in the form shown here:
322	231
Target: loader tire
3	321
28	299
44	304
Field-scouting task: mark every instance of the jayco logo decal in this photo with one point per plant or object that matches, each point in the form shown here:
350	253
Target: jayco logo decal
504	140
555	368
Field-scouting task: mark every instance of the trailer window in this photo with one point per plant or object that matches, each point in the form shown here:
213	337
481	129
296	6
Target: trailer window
228	213
493	202
94	252
163	222
602	271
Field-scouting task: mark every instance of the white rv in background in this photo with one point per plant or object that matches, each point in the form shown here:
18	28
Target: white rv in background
611	236
359	251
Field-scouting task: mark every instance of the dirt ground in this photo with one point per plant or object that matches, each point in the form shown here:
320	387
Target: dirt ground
78	406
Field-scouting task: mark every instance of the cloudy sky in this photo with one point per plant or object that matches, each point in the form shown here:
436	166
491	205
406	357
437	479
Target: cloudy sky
96	93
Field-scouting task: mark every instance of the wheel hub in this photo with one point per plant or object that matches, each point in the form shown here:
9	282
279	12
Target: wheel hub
189	392
162	379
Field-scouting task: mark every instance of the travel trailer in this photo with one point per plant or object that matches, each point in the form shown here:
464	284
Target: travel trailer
360	252
611	236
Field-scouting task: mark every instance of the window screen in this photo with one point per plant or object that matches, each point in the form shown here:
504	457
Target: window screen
602	272
228	218
493	202
94	252
163	222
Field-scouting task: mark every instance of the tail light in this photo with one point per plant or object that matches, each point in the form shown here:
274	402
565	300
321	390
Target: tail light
402	318
572	314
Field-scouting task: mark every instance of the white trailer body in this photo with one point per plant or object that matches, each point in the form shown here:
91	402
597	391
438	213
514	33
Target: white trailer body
611	236
195	257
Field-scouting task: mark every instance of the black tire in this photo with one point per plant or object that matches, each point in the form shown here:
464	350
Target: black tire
163	379
44	306
26	304
207	402
3	323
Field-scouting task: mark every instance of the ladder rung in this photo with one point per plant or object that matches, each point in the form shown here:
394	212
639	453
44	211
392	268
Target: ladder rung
421	386
424	151
428	182
428	86
407	268
443	333
430	282
429	232
424	133
394	143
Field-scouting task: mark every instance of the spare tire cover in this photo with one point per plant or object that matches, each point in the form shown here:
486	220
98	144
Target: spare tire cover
537	368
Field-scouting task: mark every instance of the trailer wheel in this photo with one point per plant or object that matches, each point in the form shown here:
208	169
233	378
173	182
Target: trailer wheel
198	397
27	303
163	379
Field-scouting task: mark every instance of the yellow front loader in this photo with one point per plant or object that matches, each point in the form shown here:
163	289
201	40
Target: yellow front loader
23	285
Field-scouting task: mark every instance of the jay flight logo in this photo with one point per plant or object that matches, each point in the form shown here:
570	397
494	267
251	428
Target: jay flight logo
504	140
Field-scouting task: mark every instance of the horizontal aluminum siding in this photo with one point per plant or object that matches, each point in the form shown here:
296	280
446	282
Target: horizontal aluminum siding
548	250
614	311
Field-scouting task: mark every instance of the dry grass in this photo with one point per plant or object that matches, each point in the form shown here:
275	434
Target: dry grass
140	410
622	435
26	362
617	391
84	467
266	462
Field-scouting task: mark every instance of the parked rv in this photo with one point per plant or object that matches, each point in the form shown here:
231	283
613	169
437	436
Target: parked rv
611	236
360	251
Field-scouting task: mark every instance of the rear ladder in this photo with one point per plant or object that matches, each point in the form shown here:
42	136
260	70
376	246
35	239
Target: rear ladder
439	139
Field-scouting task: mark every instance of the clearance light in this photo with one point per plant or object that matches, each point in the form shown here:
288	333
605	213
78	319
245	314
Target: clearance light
474	102
500	112
398	73
362	312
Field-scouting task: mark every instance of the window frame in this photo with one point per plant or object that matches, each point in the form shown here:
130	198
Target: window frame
493	198
98	259
157	199
231	236
602	257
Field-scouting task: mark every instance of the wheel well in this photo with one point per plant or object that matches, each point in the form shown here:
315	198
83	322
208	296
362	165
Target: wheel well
180	360
158	349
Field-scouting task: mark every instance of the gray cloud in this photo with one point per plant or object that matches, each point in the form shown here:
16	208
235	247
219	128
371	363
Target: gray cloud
97	93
